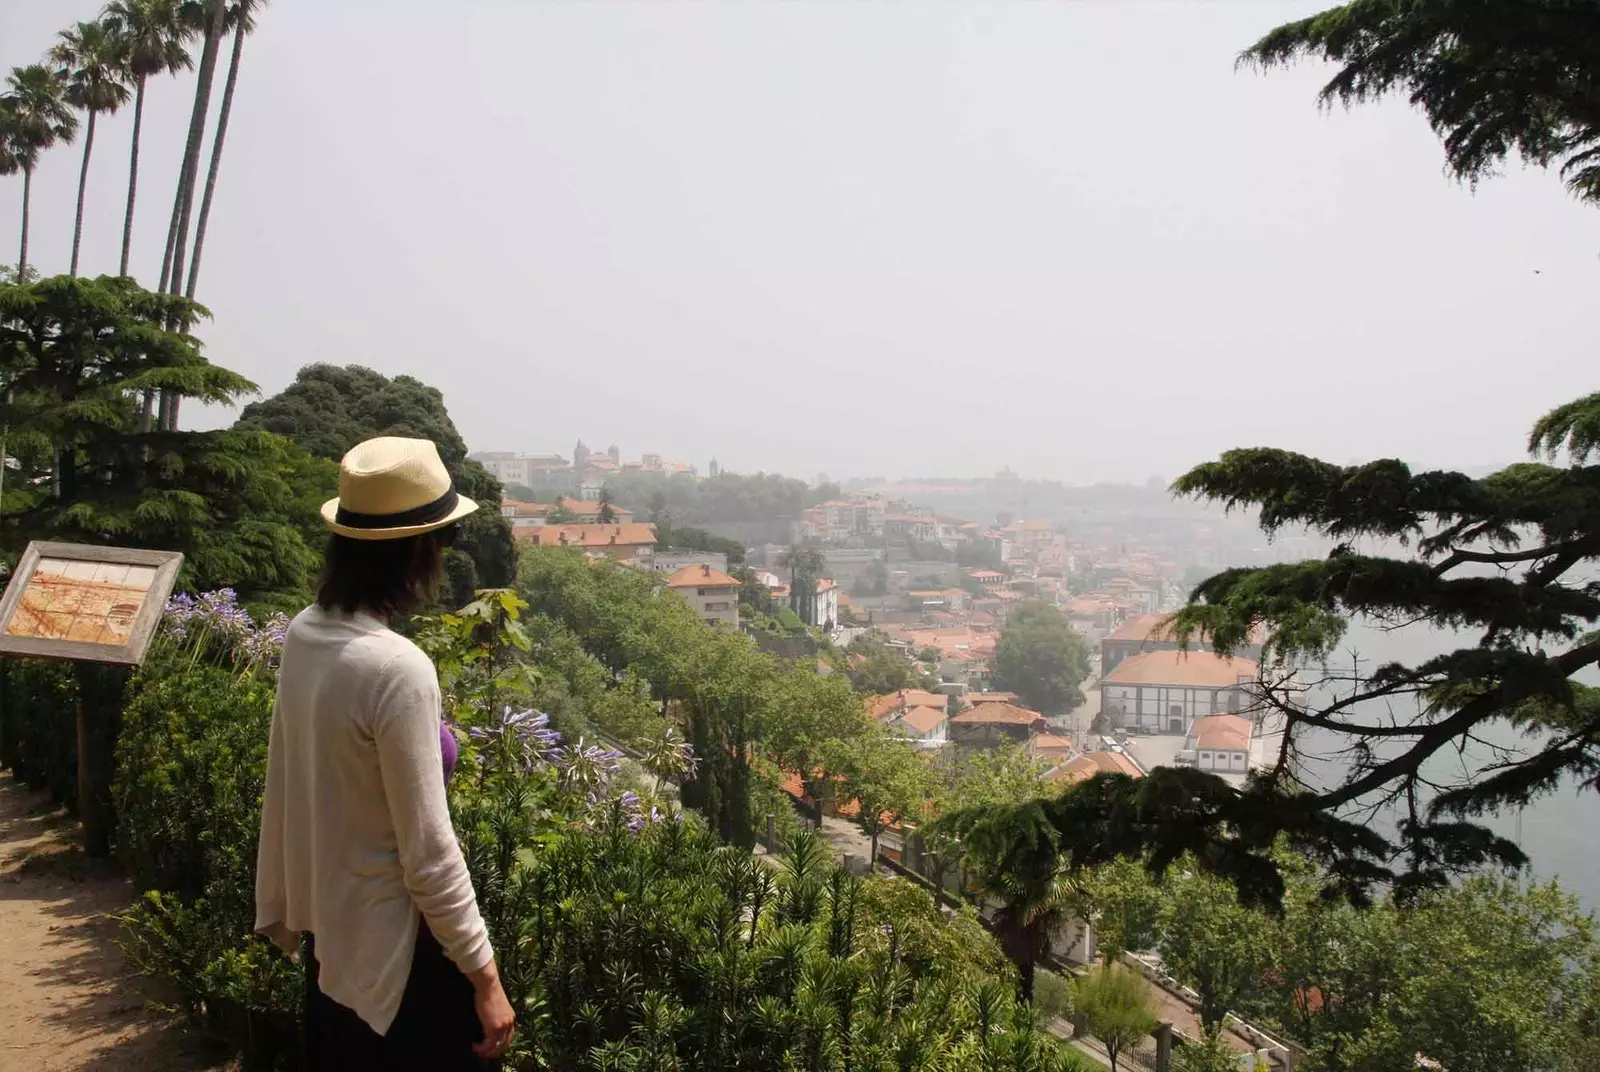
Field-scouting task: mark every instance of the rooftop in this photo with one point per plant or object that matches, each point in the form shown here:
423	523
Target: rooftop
1226	733
1144	627
924	719
1197	669
701	576
633	534
1003	714
905	699
1089	764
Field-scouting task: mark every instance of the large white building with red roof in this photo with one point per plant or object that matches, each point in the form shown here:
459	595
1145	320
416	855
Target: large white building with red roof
1166	691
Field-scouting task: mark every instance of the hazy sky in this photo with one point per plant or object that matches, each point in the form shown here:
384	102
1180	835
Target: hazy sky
875	237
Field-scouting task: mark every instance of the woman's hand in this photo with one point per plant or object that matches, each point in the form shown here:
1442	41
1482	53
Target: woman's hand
494	1012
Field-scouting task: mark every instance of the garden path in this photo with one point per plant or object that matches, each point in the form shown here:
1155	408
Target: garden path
67	1001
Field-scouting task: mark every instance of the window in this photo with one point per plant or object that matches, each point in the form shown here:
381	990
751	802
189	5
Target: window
1175	710
1205	757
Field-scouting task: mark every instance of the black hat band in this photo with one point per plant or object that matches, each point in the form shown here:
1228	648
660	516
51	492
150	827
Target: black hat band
426	514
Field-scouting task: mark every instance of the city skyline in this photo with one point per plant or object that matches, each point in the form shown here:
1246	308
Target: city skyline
914	240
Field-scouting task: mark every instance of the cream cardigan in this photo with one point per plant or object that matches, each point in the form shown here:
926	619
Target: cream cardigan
356	839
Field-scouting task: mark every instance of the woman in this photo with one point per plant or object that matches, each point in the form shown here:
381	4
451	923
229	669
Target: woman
356	843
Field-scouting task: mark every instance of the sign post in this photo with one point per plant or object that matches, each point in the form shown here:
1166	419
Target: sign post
88	604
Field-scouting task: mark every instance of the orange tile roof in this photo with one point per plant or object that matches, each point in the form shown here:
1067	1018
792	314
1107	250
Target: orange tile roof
1048	741
1081	768
998	714
991	697
1197	669
591	537
905	699
925	719
701	576
1228	733
1144	627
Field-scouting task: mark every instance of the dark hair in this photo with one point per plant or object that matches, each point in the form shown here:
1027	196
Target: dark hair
384	577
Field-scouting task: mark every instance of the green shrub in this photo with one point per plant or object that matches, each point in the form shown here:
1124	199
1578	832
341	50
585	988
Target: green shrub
191	767
1052	995
38	727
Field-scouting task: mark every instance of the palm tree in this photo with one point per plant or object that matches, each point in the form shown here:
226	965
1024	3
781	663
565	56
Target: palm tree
153	37
37	116
210	19
1013	852
91	62
240	18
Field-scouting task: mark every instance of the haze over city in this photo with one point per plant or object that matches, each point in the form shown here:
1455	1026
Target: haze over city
857	238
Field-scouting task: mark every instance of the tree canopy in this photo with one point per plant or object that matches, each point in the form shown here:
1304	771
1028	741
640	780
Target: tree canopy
680	499
1041	658
328	409
85	464
1495	79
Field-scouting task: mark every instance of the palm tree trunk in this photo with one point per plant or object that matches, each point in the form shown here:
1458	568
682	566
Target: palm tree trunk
216	158
83	184
197	129
178	230
133	176
27	196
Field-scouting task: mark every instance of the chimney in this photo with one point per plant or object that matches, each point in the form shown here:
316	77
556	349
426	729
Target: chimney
705	571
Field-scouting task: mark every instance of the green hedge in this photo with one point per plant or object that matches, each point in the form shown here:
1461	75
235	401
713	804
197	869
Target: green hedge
38	728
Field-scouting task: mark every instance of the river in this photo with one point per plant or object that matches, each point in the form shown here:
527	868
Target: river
1555	831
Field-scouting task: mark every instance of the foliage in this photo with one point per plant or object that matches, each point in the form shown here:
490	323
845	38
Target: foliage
38	736
876	669
1492	974
35	113
1209	1053
1114	1006
1041	658
191	765
1126	907
1495	80
805	570
754	596
1011	852
1527	623
679	499
1211	942
664	949
874	581
75	355
888	780
687	538
329	409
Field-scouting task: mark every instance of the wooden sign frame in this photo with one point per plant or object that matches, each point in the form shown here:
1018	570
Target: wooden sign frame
166	565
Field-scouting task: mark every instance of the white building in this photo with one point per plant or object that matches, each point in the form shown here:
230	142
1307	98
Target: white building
825	608
1166	691
713	594
529	470
1219	744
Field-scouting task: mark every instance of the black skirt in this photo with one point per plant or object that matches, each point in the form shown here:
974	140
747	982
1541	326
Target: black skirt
434	1030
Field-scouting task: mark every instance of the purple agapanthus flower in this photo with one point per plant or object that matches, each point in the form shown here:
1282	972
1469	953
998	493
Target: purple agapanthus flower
523	736
586	768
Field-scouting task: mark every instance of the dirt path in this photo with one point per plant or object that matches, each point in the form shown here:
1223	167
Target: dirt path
67	1001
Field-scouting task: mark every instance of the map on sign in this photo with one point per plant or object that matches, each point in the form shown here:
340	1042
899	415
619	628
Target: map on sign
87	602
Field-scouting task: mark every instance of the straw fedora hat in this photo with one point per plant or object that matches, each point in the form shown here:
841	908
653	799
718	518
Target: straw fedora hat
390	488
